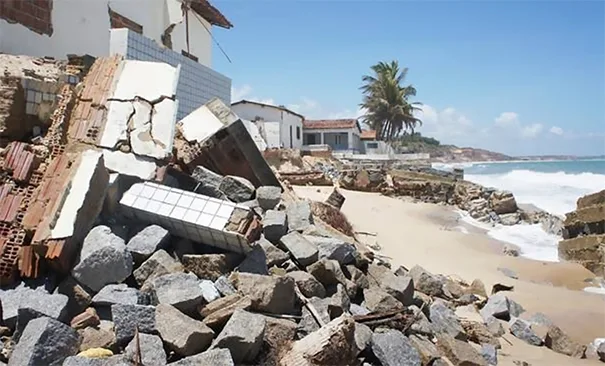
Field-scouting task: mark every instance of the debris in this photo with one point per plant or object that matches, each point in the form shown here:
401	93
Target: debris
336	199
237	189
35	302
128	318
217	313
223	286
146	242
268	197
560	342
490	354
309	286
181	334
255	262
331	248
522	330
459	352
242	335
392	348
213	357
301	249
117	294
209	266
426	349
445	321
88	318
377	300
209	292
180	290
275	225
299	215
150	348
269	294
159	264
78	298
209	182
426	282
275	256
101	336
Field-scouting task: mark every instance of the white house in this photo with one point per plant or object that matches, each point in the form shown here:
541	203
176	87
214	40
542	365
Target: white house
279	126
57	28
342	135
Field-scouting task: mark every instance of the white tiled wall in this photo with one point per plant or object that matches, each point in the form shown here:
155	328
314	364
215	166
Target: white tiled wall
185	214
197	83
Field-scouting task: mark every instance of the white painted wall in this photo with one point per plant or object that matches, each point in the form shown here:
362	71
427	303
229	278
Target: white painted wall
82	27
286	120
353	134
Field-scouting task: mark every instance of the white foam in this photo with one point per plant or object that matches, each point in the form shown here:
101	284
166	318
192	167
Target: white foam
556	193
596	290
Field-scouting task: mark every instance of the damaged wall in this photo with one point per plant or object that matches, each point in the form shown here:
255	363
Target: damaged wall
70	18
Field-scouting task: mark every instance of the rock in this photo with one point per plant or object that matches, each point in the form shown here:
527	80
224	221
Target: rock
98	337
489	353
209	292
159	264
459	352
275	225
308	324
401	288
510	251
45	341
103	260
146	242
329	273
477	288
339	302
494	326
210	182
479	333
333	344
508	273
274	295
255	262
117	294
467	299
445	321
299	216
503	202
242	335
452	289
332	248
151	350
392	348
289	266
181	334
209	266
217	313
278	332
308	285
357	276
237	189
223	286
363	337
402	271
85	361
426	349
127	318
180	290
560	342
426	282
301	249
21	304
377	300
514	308
469	313
497	306
422	325
275	256
268	197
522	330
510	219
601	351
213	357
78	298
358	310
88	318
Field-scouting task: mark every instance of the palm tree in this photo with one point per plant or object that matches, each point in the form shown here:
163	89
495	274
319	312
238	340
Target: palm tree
386	101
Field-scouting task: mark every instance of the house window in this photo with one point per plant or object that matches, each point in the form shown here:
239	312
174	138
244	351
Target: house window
119	21
187	54
372	145
297	133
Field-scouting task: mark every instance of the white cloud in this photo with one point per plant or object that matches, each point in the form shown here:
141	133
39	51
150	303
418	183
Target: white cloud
443	124
507	119
532	130
556	130
245	92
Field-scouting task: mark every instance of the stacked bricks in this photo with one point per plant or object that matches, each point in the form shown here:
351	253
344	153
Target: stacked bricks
35	15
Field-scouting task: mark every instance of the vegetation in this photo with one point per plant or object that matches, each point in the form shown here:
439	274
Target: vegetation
387	101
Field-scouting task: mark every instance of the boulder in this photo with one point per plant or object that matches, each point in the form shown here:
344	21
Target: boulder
213	357
377	300
180	290
601	351
308	285
127	318
45	341
242	336
268	197
117	294
223	286
299	215
479	333
88	318
477	288
217	313
445	321
159	264
210	182
392	348
459	352
22	304
357	276
275	256
209	291
522	330
101	336
422	325
301	249
494	326
103	259
503	202
78	297
363	337
237	189
278	332
426	349
332	248
560	342
210	266
401	288
269	294
426	282
308	324
150	348
275	225
490	354
146	242
80	360
181	334
255	262
339	302
497	306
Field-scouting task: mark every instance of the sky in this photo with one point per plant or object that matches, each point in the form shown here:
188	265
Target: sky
518	77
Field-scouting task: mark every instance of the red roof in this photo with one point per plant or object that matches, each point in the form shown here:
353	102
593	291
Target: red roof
327	124
210	13
368	135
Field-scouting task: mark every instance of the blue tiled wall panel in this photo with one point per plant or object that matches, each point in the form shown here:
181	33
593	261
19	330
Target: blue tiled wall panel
197	83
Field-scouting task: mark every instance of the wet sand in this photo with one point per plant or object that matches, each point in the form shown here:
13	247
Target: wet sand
417	233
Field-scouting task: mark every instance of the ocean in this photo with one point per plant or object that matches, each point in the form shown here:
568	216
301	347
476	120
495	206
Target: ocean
553	186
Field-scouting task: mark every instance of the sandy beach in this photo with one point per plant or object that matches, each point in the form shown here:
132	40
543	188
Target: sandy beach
412	233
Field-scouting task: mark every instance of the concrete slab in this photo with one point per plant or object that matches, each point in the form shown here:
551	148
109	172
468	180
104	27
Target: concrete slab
147	80
130	164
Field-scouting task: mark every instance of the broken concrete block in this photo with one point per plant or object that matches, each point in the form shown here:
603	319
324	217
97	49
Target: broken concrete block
333	344
210	266
299	215
103	259
218	312
127	318
392	348
301	249
151	350
308	285
255	262
275	225
426	282
36	302
180	290
209	181
117	294
522	330
45	341
445	321
213	357
242	335
160	263
377	300
269	294
146	242
237	189
275	256
181	334
101	336
209	292
223	286
268	197
459	352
